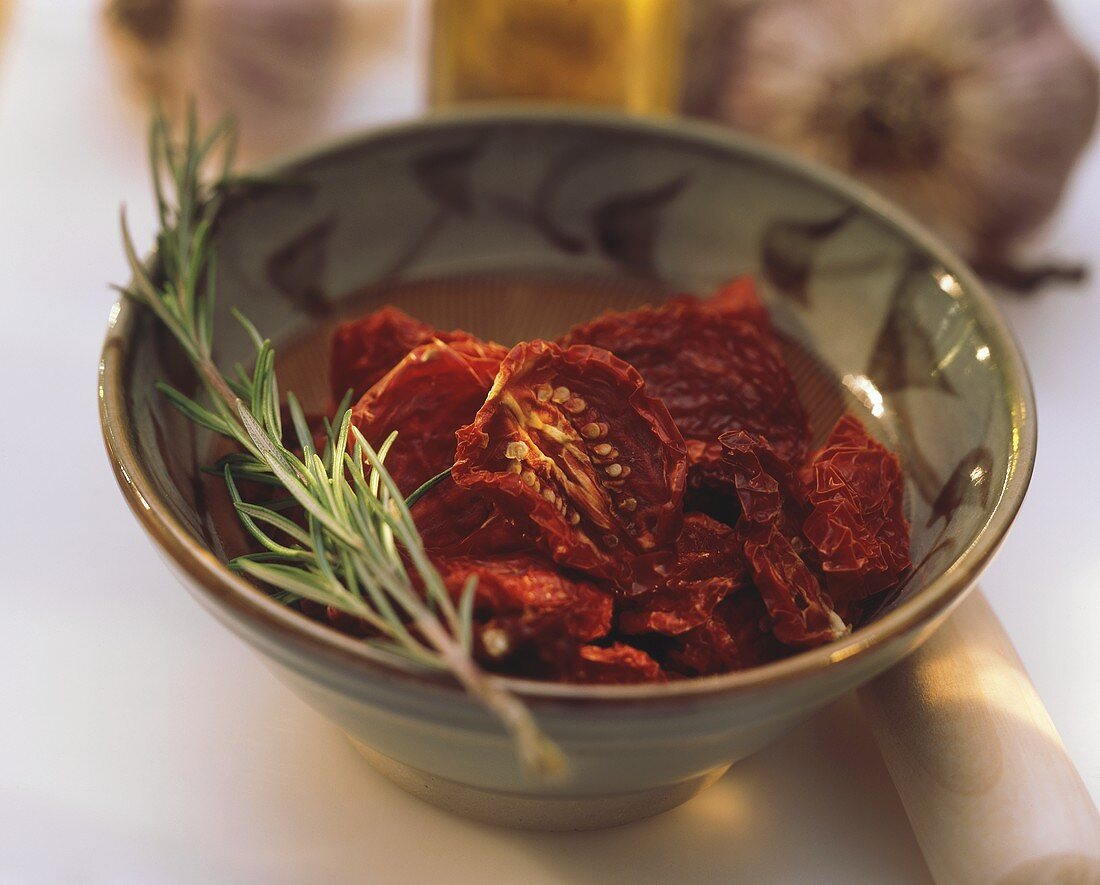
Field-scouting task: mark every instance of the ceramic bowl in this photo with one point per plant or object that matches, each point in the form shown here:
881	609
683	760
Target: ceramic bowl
515	224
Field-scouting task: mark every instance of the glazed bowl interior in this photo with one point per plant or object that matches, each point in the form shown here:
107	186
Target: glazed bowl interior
517	225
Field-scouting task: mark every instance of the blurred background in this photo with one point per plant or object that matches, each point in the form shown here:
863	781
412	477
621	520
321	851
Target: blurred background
127	756
972	113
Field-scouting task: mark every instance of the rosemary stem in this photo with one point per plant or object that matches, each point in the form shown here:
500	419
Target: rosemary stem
361	553
540	757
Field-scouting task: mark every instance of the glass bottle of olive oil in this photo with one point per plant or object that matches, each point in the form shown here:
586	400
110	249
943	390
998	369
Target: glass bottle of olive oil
615	53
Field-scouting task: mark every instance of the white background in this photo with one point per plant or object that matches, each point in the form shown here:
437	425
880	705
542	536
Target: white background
141	742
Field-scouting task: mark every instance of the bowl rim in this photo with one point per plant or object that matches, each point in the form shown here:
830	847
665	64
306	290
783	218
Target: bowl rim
923	608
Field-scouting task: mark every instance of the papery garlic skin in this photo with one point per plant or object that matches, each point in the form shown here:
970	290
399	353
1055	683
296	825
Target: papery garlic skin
971	113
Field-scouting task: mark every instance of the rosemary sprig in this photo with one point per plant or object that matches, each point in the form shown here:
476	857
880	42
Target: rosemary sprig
351	552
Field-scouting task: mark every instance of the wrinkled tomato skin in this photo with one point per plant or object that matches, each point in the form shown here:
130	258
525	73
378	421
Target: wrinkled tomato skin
739	298
365	349
768	488
454	521
527	609
737	636
801	614
677	590
574	488
617	664
716	365
778	556
857	521
569	444
433	391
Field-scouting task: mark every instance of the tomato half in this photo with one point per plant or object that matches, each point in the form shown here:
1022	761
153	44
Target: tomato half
530	617
366	348
778	556
454	521
857	521
569	443
433	391
738	635
715	364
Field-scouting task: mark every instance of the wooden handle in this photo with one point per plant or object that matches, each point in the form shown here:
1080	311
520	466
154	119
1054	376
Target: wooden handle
984	777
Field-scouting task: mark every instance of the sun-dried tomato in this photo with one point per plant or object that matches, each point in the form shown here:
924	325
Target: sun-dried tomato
768	489
432	392
737	636
617	664
571	479
529	615
365	349
569	443
801	613
677	590
483	357
454	521
773	505
716	365
857	521
739	298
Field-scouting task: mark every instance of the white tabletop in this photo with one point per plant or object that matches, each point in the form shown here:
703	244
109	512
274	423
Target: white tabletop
141	742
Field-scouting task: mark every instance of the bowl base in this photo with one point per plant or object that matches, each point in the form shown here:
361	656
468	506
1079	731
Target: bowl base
537	812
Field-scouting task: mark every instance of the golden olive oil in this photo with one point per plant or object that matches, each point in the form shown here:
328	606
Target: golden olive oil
613	53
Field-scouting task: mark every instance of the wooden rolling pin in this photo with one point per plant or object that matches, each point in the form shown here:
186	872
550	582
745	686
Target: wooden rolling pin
985	779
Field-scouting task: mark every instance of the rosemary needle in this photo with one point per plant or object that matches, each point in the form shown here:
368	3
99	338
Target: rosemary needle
359	541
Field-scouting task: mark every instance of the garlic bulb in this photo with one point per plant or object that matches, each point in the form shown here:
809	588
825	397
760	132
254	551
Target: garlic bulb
969	112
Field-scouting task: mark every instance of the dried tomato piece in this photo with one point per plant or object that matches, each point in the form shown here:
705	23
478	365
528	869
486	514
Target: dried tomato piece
529	615
716	364
569	443
705	650
455	521
433	391
365	349
676	591
617	664
767	487
774	505
737	636
801	613
857	521
483	357
738	297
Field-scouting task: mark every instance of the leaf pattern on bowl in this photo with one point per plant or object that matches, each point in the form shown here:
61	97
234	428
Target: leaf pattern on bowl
627	227
538	210
447	176
919	470
788	248
879	605
969	478
297	268
905	354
